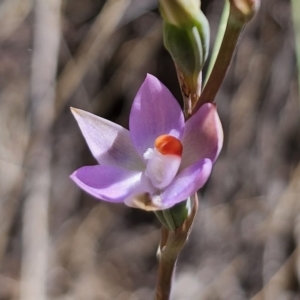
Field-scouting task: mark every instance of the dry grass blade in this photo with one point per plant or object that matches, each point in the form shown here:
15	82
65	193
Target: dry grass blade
38	160
132	66
105	24
12	14
12	149
280	282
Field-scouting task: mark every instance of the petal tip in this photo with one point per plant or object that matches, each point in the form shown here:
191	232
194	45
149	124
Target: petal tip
209	106
75	111
74	176
152	80
150	76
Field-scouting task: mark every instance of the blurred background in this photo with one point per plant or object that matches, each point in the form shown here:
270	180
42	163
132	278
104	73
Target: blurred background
59	243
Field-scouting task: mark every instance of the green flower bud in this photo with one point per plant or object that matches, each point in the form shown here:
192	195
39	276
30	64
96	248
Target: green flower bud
186	37
179	12
186	34
188	46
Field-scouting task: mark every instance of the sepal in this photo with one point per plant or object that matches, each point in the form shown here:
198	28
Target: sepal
175	216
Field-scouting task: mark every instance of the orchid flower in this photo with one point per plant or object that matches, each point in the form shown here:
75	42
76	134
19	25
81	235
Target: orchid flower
160	162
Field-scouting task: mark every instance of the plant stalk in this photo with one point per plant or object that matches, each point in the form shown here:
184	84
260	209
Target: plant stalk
296	23
231	36
170	247
237	19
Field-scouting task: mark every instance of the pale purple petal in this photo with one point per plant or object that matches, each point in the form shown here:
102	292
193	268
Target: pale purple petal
186	183
109	143
203	136
154	112
107	183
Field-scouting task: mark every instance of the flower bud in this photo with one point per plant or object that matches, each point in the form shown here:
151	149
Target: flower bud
244	10
179	12
186	37
186	34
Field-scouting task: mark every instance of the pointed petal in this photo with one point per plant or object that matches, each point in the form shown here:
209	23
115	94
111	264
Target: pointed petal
203	136
186	183
107	183
109	143
154	112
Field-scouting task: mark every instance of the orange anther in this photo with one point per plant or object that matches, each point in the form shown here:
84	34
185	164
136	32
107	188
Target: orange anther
167	144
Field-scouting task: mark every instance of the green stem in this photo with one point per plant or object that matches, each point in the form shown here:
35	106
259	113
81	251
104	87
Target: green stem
232	33
296	22
218	40
238	17
167	263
